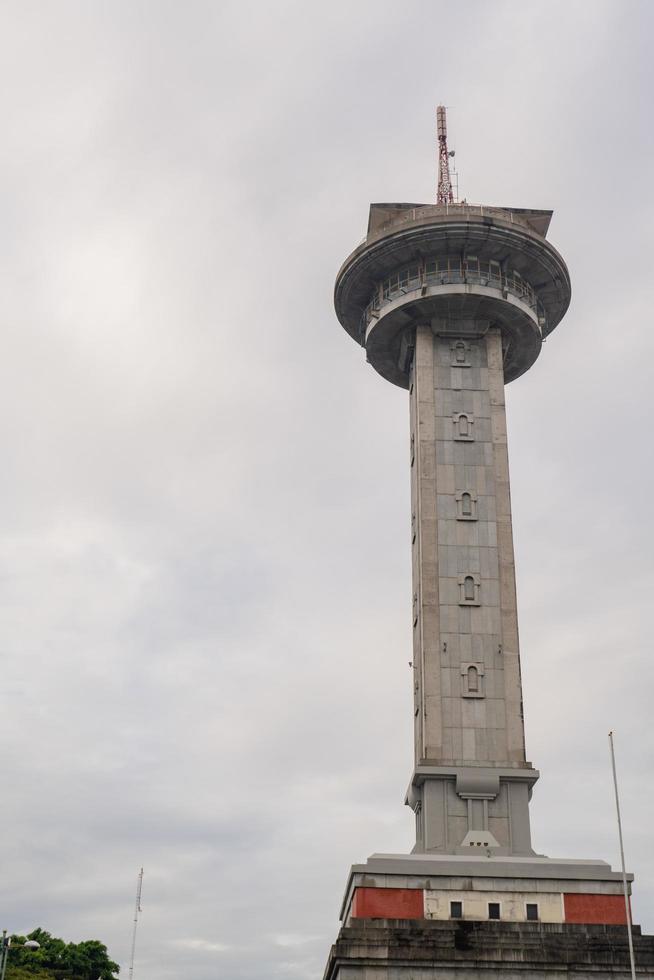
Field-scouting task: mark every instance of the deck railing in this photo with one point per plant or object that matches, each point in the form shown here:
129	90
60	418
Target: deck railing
447	270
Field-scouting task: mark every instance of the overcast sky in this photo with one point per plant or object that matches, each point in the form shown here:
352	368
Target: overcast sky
204	507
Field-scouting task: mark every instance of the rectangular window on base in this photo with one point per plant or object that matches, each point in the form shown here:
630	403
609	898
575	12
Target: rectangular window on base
493	910
532	912
456	910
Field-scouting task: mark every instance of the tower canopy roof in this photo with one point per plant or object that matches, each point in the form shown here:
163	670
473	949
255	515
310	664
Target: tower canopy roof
383	215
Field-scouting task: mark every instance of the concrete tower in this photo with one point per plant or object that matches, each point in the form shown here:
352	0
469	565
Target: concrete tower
452	302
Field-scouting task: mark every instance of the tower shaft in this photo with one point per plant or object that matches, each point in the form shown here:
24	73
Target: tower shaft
471	782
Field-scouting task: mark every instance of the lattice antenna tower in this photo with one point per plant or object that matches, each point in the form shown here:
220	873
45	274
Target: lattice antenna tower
445	193
137	912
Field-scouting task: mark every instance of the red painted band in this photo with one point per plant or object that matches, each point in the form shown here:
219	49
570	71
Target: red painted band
388	903
605	910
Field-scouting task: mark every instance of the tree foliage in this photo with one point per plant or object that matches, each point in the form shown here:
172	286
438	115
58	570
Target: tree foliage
58	960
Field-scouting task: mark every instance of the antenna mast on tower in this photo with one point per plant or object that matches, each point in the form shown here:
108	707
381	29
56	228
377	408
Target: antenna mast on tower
137	910
445	194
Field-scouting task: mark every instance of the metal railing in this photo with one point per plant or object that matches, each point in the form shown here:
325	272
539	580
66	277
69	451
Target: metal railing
450	270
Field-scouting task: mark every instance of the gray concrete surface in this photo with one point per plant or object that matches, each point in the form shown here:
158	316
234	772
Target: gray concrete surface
436	950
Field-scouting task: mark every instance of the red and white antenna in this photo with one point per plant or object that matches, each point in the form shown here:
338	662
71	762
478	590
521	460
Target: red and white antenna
445	194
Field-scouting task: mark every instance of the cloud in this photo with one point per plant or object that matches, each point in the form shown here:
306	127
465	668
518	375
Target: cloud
293	939
201	945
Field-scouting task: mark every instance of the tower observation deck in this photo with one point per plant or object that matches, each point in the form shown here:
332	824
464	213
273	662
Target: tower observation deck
452	302
461	267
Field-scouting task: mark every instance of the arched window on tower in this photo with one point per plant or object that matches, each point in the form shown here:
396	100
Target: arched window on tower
463	423
466	505
469	589
473	680
460	352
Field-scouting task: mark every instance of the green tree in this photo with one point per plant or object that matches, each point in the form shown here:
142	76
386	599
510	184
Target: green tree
58	960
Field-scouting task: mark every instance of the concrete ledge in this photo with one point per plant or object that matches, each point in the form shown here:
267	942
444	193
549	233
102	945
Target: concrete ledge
493	867
410	950
421	773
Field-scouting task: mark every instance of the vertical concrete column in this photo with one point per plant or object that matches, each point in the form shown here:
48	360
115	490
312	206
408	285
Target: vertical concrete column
426	624
466	666
508	603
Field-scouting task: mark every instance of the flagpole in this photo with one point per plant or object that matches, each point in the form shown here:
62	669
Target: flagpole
624	873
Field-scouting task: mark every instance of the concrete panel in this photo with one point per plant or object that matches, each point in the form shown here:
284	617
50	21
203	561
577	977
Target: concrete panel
446	506
465	533
481	404
488	563
468	745
445	479
427	459
452	708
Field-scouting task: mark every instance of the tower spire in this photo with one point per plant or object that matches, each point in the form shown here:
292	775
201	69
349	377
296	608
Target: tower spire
444	194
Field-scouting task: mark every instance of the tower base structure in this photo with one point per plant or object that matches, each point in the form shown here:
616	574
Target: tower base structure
435	916
477	888
385	949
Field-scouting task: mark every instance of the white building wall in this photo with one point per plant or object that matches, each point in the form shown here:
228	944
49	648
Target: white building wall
513	905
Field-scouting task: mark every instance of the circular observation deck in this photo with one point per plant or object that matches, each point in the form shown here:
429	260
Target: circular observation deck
460	268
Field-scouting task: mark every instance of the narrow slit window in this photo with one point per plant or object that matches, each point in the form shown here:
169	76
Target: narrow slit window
466	505
469	589
463	422
473	680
